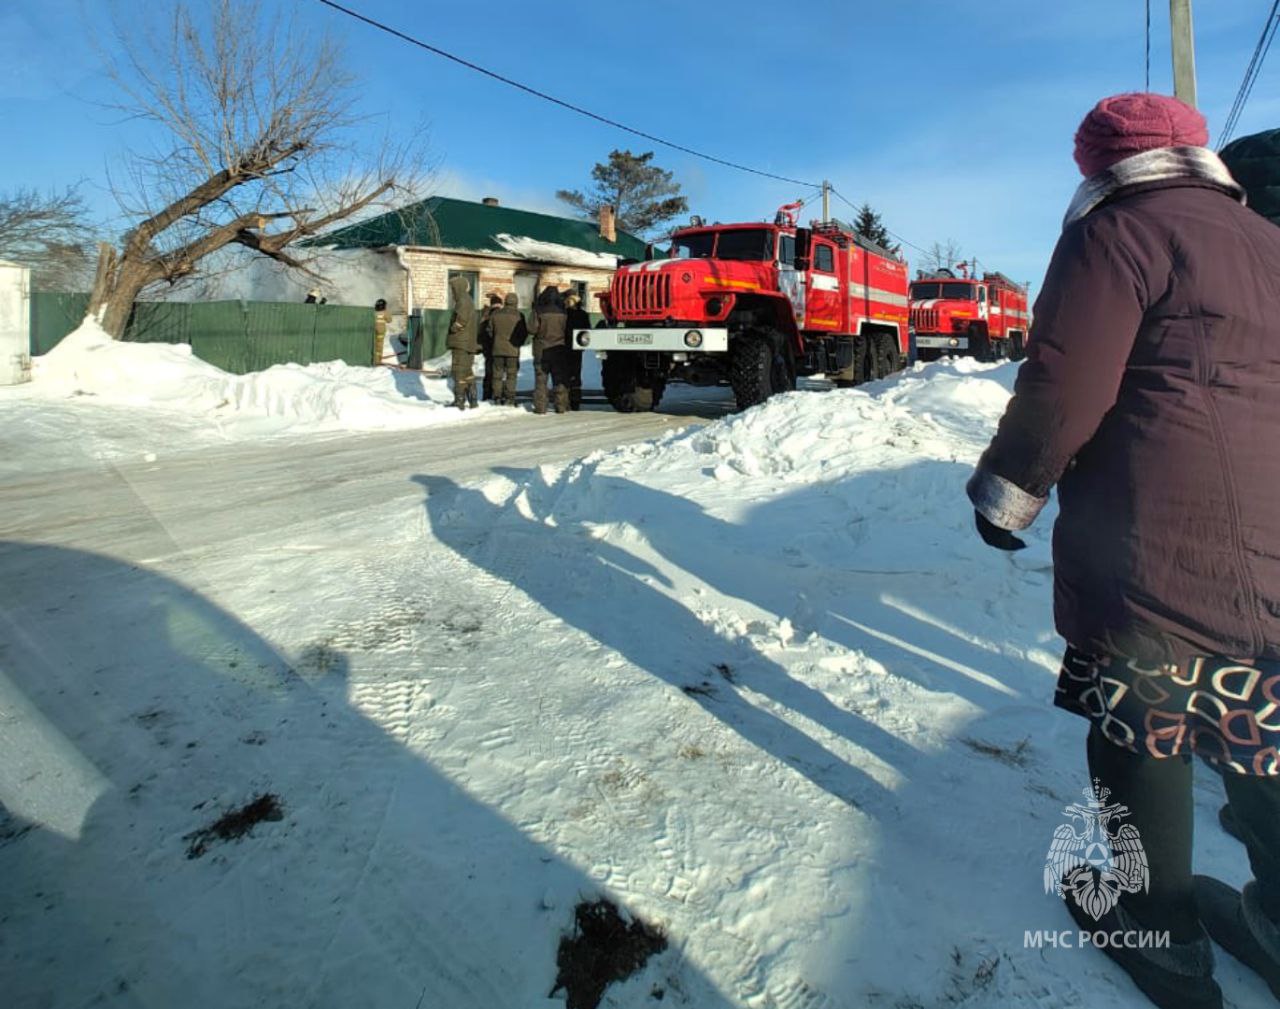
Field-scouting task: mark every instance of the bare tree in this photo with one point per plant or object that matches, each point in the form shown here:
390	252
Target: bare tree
941	256
261	148
49	233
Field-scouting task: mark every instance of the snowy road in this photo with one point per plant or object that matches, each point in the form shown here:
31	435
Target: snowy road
208	496
756	681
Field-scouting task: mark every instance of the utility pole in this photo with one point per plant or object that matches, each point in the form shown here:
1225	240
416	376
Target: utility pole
1184	51
826	201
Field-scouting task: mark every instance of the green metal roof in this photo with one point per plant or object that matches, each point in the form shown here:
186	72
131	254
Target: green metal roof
464	225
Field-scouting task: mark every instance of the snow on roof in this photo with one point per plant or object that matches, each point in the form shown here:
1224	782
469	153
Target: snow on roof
463	225
551	252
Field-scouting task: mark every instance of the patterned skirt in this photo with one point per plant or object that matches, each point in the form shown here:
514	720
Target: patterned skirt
1224	710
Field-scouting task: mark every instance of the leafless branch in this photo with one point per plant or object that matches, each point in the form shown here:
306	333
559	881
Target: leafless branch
48	232
260	131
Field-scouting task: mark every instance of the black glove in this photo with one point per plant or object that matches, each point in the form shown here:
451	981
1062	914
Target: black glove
994	536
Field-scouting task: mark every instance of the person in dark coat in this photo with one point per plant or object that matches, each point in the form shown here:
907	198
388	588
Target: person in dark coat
575	318
1254	161
550	350
463	341
494	302
1148	398
508	333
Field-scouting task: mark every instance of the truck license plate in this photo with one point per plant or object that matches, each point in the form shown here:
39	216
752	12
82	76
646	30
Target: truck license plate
636	339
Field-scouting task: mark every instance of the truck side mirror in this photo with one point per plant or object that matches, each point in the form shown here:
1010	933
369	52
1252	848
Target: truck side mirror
802	249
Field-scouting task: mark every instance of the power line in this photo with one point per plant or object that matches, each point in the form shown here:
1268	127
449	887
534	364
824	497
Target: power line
1251	73
557	101
380	26
895	237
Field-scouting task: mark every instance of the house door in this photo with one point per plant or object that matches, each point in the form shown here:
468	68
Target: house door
526	285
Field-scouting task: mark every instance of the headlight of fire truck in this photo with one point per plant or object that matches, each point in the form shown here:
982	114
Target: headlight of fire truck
584	339
693	339
713	306
959	324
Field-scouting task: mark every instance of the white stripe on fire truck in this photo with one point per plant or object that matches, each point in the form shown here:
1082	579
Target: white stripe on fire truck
857	290
821	283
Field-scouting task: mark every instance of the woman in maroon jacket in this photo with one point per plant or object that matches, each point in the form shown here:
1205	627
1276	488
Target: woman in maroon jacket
1151	398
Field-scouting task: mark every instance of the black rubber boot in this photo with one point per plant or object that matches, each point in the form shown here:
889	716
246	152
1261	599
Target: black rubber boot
1179	976
1157	793
1238	925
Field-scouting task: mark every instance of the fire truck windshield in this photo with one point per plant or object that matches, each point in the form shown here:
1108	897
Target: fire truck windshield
695	246
755	245
952	292
752	244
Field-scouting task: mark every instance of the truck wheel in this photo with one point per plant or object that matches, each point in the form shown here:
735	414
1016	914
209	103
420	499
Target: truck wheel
863	368
979	344
1016	350
888	359
783	376
624	388
752	370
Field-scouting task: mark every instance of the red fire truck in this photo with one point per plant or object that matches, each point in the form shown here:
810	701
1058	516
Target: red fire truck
983	318
752	306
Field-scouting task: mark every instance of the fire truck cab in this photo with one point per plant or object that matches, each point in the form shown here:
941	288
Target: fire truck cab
985	318
752	306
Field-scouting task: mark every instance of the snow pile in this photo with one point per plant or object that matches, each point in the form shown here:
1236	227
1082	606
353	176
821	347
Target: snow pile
326	396
759	683
552	252
800	438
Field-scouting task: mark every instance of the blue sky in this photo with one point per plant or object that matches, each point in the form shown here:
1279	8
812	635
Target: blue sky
953	121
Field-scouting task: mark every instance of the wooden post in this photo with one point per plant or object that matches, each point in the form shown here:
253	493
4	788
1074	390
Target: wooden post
1184	51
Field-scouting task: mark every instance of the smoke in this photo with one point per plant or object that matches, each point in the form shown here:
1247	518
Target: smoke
351	277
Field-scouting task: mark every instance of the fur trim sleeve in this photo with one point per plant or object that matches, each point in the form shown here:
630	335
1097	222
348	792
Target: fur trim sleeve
1002	502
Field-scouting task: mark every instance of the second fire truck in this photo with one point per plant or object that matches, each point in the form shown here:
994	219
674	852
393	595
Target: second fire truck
985	318
752	306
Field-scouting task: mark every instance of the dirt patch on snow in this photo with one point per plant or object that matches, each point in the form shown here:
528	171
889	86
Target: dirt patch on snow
233	825
602	949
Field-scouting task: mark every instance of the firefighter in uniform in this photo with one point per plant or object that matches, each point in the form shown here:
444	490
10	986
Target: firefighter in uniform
381	319
550	351
576	318
463	341
494	302
508	333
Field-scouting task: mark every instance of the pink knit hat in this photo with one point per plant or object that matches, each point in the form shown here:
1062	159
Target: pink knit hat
1123	125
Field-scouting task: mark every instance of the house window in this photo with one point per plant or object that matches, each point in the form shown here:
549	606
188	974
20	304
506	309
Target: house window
824	259
473	278
579	287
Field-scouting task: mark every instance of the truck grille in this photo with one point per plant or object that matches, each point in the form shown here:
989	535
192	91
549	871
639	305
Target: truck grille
924	320
642	293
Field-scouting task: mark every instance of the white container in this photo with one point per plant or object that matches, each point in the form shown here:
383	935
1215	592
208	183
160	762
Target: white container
15	324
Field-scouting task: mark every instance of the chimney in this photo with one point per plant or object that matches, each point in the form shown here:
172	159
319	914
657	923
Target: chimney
608	224
490	201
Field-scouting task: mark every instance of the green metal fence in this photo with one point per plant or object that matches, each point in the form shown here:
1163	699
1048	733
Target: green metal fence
236	336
